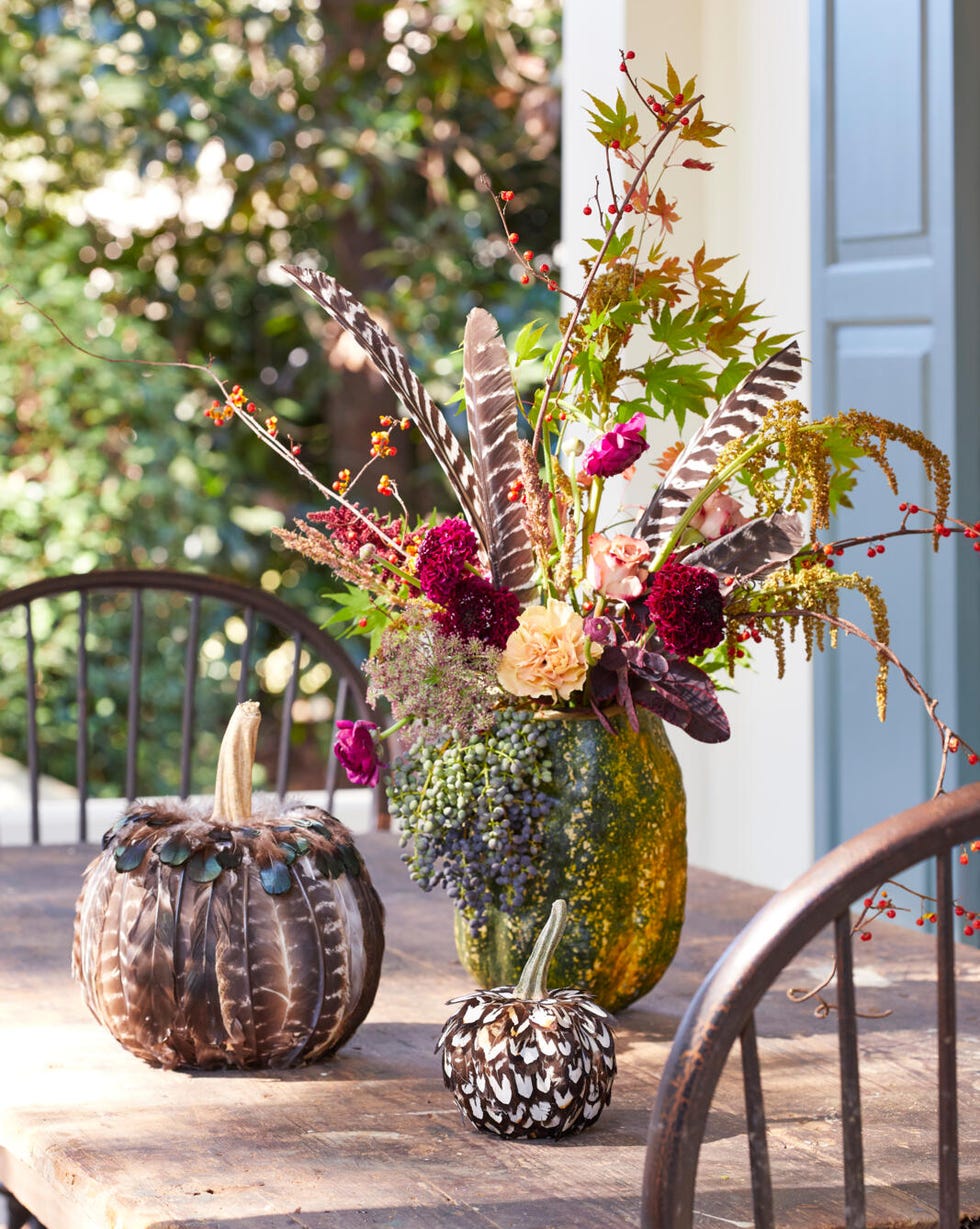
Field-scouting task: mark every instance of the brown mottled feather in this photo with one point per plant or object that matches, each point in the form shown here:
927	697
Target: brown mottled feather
335	988
491	418
232	973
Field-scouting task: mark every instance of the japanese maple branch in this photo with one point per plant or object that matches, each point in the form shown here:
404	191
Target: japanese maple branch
580	301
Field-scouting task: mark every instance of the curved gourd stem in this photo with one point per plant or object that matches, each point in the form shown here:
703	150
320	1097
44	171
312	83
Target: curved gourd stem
233	781
533	982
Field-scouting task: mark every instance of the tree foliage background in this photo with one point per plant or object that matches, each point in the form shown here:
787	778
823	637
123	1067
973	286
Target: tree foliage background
158	162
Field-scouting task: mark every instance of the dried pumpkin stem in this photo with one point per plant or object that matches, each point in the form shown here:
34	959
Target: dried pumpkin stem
233	781
534	977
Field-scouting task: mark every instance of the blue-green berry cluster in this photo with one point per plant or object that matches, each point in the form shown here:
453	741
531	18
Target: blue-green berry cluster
470	813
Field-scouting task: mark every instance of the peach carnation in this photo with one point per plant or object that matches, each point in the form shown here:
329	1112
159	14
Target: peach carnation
546	654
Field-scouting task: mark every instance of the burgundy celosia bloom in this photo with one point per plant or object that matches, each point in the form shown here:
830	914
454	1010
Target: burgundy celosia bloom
352	533
443	555
615	451
478	610
355	748
686	606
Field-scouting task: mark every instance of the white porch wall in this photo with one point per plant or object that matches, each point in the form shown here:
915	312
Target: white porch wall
750	801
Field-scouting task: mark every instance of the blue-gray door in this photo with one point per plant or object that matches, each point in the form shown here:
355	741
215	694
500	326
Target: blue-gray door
896	330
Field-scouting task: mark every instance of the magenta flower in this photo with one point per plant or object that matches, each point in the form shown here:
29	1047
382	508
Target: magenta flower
615	451
443	555
686	606
478	610
354	746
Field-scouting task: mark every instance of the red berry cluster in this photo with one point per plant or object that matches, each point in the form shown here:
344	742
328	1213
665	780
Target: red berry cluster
236	400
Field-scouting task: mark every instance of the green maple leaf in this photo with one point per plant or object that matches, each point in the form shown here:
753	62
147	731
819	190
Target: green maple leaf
681	388
617	123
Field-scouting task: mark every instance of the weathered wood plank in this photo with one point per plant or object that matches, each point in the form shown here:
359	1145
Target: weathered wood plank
90	1136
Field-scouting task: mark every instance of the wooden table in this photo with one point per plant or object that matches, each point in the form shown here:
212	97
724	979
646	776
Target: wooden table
90	1137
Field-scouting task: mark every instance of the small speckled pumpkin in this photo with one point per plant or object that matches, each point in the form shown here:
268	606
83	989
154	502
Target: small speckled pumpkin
235	939
525	1062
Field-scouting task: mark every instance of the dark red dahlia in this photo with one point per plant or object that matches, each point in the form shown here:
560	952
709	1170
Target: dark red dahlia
478	610
441	562
686	607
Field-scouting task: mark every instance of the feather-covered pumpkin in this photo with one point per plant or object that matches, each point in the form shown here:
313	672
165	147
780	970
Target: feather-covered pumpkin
526	1062
229	939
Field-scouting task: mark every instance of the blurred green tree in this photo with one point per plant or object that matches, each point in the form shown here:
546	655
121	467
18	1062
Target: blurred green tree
158	162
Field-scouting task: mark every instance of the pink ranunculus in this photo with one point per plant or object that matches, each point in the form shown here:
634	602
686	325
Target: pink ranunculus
354	746
616	450
718	515
616	566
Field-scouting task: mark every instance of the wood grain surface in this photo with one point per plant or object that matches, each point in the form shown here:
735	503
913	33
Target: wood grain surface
91	1138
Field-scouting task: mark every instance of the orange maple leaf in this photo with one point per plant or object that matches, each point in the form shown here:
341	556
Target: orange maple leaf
664	209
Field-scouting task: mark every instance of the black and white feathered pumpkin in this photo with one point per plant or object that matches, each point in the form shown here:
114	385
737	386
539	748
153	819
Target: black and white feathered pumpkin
230	939
525	1062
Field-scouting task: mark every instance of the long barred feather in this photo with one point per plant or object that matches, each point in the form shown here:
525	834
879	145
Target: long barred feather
402	380
754	549
739	415
233	974
491	418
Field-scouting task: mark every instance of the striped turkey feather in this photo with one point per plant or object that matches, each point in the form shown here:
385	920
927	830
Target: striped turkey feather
234	975
279	956
98	881
120	920
144	959
394	367
333	981
200	1011
491	419
738	416
755	549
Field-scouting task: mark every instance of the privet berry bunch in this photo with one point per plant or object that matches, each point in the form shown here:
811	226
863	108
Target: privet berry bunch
469	814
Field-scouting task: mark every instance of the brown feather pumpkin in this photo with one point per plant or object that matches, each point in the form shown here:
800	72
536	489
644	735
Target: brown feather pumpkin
235	939
526	1062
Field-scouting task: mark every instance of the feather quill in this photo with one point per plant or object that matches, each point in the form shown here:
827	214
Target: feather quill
394	367
738	415
491	419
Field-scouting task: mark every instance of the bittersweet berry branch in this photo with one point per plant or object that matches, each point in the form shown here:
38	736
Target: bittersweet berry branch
269	438
951	741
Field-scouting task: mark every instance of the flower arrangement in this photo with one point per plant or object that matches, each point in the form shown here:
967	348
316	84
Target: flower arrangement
562	584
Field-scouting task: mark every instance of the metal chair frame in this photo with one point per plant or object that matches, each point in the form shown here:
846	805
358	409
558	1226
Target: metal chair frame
351	701
723	1011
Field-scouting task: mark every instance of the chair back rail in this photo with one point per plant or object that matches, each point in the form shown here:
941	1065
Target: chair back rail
723	1010
253	606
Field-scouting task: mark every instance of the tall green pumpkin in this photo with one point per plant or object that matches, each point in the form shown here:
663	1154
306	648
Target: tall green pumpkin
615	848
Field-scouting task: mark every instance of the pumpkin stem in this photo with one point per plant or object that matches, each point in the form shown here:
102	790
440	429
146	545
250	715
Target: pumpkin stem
233	781
533	983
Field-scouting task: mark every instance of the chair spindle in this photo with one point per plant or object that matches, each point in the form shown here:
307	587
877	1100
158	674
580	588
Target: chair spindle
135	674
850	1078
32	764
755	1122
190	683
286	723
81	704
949	1182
